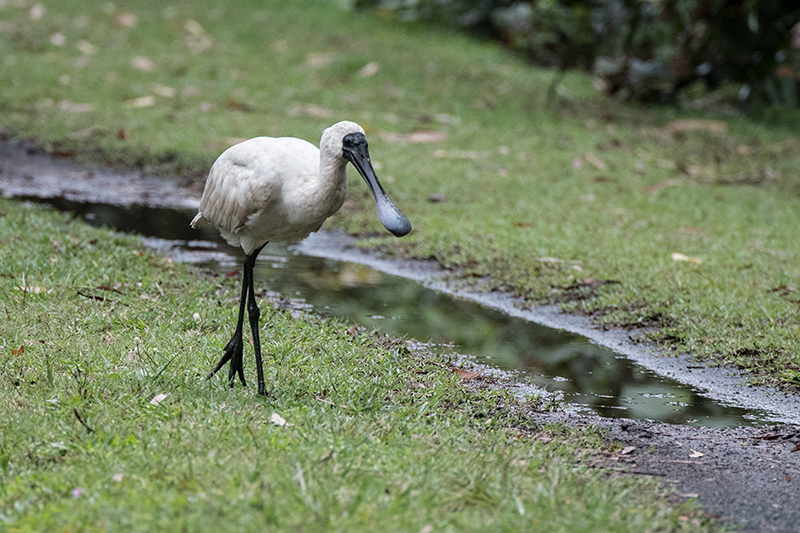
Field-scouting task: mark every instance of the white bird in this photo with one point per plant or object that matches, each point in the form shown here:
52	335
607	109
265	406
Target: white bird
283	189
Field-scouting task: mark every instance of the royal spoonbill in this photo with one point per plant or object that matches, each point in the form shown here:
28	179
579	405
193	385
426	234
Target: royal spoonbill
281	189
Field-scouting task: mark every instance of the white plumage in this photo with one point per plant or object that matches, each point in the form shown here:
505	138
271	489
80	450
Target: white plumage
282	189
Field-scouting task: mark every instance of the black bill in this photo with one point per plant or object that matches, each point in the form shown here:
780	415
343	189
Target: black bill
355	150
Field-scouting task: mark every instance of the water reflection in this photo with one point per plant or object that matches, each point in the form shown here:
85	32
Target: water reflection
592	377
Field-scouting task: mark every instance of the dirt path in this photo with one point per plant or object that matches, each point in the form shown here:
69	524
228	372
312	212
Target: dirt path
747	476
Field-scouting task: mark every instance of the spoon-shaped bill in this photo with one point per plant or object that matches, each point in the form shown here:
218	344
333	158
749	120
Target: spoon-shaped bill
356	151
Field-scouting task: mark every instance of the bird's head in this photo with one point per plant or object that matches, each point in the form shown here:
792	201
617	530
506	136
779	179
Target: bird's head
350	142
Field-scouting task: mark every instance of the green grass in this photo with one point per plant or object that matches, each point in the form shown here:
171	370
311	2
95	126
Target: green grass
94	328
524	203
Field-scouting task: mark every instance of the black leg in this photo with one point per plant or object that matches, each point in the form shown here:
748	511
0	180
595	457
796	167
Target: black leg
254	314
234	348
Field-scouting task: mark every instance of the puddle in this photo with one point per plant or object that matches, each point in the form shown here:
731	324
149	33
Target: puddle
591	378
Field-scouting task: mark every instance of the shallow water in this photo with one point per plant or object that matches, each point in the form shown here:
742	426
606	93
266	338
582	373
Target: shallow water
590	377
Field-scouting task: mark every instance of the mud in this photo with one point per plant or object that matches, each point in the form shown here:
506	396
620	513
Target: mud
748	477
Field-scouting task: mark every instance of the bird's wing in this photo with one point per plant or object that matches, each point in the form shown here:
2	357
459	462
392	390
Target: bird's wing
237	187
249	177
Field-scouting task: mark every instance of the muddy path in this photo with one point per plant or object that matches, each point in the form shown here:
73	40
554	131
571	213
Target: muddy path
747	477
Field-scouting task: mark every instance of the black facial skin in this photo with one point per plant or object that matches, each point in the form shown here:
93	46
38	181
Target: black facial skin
355	150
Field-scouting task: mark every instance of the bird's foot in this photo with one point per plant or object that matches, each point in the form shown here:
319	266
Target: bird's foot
234	353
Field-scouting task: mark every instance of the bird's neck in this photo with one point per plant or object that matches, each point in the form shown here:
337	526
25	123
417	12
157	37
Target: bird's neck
333	178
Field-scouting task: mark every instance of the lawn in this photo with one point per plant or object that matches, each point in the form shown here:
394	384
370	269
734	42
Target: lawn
107	424
679	220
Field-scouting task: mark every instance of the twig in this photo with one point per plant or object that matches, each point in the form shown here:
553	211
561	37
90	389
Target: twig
78	416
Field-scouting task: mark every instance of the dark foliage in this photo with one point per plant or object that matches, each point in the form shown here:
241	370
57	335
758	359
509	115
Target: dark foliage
648	50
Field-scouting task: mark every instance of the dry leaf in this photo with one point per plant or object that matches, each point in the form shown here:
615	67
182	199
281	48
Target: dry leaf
319	59
669	182
311	110
596	161
157	399
417	137
695	453
126	20
280	46
58	39
73	107
142	101
693	124
370	69
194	27
163	90
685	258
28	288
277	419
466	375
197	40
36	12
20	351
86	47
627	450
143	63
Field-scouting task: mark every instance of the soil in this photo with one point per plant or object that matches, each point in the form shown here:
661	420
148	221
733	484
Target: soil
747	477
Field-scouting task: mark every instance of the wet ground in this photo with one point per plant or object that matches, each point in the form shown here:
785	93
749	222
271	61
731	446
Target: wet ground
744	475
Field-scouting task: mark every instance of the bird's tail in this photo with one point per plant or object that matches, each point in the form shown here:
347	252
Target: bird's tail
199	221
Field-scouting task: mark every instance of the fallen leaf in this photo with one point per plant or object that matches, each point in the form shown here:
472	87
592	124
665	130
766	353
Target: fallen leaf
126	19
34	289
319	59
36	12
417	137
19	351
197	40
194	27
693	124
73	107
669	182
143	63
118	477
455	154
695	453
157	399
277	419
465	375
595	161
370	69
142	101
627	450
676	256
86	47
82	62
58	39
311	110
